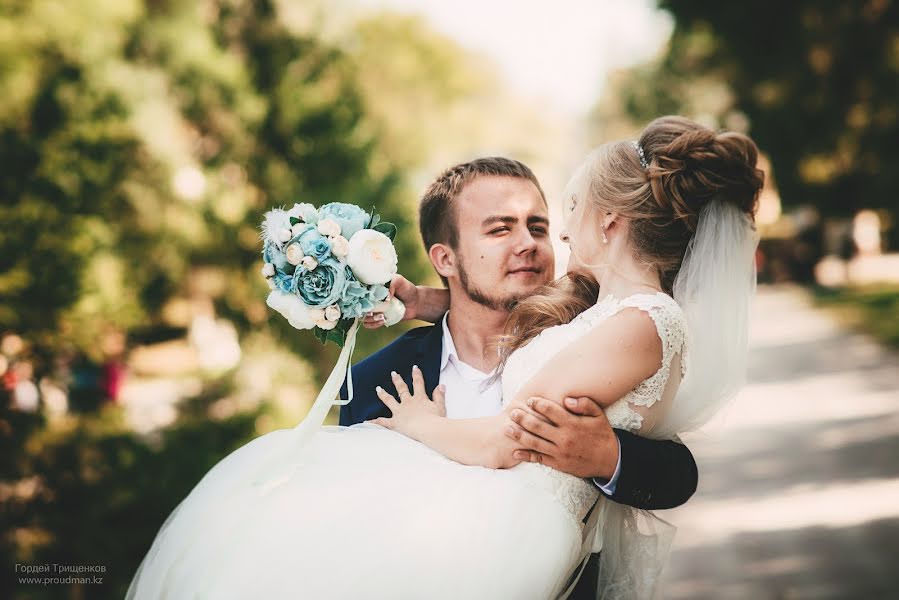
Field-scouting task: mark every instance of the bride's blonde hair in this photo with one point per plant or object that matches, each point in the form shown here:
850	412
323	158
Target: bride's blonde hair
688	166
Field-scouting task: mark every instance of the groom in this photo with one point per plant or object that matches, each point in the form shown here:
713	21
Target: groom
486	229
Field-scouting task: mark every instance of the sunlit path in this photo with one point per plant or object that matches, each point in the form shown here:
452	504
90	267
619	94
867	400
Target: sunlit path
799	482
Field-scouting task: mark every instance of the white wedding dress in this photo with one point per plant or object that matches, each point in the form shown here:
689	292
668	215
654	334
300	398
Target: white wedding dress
369	513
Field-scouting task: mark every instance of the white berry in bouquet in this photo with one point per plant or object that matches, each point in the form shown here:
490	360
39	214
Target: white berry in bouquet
328	227
295	254
340	246
332	313
309	263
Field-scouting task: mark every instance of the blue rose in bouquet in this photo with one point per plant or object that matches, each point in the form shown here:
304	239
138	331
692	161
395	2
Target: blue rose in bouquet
322	286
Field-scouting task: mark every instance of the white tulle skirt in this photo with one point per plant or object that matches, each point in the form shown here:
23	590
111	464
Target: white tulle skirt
364	513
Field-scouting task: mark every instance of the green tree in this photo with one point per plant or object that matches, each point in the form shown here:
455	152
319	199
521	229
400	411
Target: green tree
815	82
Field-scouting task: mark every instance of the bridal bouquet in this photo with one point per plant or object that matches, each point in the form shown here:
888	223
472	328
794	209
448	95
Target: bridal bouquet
327	267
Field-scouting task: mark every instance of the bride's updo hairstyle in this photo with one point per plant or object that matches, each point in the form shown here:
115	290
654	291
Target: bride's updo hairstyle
684	167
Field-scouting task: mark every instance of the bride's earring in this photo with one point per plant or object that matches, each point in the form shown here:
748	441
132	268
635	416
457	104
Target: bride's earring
605	240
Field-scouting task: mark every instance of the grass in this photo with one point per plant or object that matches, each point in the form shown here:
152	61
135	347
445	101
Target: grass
873	309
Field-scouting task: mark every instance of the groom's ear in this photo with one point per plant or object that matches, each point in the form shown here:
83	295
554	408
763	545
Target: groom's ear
444	260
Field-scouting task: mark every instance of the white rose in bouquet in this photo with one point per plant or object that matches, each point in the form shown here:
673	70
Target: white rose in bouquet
372	257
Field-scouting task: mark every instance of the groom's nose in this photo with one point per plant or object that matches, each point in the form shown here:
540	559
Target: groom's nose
525	242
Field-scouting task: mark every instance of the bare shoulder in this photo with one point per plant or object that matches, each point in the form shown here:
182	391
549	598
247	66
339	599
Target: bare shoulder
605	363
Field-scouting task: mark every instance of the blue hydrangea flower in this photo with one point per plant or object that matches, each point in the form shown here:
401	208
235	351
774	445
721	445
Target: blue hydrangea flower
284	282
350	217
378	293
323	286
356	299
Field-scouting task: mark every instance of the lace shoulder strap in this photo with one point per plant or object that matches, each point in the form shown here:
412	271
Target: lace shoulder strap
670	323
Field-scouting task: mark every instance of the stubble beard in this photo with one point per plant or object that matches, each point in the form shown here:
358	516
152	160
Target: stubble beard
479	296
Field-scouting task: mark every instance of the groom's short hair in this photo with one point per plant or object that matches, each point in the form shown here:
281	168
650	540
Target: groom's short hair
436	215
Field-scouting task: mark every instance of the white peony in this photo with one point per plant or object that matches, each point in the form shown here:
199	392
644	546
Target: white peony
340	246
295	254
332	313
309	263
372	257
268	270
329	227
291	308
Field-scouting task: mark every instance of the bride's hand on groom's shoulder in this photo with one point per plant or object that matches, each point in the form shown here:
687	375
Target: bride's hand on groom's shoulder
410	408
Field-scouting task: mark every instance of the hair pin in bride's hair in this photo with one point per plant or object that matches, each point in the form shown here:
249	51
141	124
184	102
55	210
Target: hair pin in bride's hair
643	162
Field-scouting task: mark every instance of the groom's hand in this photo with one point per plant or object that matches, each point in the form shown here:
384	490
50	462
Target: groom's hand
575	438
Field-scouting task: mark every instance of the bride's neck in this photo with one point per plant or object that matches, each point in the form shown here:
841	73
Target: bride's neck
625	276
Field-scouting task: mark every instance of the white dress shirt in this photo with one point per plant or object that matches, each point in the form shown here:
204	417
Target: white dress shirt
470	394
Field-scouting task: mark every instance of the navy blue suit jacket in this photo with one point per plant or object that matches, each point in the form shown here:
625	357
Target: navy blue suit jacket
654	474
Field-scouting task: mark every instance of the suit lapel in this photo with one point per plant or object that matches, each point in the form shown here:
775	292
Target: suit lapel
430	350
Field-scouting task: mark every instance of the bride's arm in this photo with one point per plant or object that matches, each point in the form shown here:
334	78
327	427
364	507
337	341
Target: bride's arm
630	349
478	441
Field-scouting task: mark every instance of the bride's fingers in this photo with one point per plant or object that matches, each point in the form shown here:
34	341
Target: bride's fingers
388	400
530	423
440	398
400	385
418	383
529	440
535	457
383	422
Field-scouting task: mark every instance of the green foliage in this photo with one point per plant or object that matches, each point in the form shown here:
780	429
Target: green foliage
816	82
101	491
872	308
388	229
136	166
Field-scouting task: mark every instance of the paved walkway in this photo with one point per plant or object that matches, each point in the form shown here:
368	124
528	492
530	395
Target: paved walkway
799	480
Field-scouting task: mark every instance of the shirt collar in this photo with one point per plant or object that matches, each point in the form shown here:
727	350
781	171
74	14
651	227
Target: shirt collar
449	347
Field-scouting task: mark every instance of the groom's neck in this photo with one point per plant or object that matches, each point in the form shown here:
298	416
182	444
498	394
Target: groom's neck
475	329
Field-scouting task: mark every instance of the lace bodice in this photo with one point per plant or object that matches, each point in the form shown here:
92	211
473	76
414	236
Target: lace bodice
575	493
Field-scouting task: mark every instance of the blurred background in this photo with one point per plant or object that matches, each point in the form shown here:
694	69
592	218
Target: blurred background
141	140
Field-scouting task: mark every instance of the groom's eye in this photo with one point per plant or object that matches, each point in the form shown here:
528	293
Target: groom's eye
539	230
499	230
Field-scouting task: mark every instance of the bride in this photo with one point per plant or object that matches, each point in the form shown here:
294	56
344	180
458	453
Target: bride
662	240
